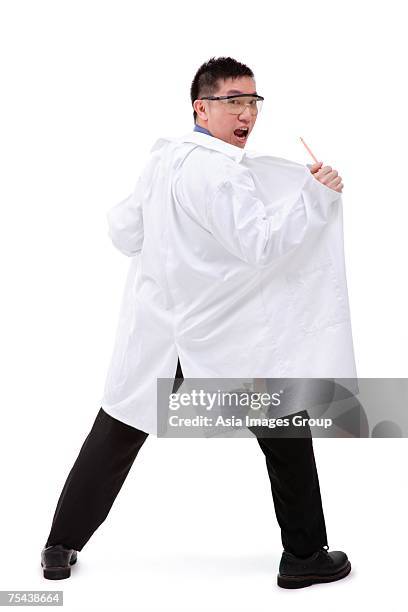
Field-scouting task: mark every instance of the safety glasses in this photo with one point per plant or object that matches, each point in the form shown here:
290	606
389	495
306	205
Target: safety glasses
236	104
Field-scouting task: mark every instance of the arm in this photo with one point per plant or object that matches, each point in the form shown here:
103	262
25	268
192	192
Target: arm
125	221
237	218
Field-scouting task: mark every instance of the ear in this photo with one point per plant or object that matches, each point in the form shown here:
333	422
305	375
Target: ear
200	108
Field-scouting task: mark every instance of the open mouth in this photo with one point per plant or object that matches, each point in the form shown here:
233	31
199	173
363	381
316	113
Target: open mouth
241	134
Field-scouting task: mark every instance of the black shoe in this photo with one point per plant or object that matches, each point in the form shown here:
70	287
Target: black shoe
322	566
57	560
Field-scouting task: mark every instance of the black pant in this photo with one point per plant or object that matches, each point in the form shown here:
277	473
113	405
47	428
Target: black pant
111	447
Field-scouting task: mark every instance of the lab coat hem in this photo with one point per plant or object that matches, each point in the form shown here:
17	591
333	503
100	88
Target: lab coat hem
114	413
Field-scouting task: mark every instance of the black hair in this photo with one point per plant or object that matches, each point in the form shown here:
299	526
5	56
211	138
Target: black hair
205	82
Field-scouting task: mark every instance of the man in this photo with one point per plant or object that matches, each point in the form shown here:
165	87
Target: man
218	240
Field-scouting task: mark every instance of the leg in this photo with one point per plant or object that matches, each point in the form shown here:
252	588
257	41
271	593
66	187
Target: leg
94	481
178	381
295	489
96	478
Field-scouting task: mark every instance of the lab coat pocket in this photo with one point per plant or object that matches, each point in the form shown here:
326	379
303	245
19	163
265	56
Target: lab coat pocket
316	299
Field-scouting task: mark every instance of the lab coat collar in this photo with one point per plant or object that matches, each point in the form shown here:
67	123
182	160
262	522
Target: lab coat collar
205	140
212	142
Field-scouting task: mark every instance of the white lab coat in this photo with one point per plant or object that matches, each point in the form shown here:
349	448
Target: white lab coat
237	268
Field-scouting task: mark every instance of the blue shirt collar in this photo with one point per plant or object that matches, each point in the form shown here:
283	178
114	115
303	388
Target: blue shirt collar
199	128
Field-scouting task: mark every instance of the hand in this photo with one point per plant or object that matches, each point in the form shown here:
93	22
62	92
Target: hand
327	176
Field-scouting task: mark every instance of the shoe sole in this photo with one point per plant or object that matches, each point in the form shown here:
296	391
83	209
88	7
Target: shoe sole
298	582
58	572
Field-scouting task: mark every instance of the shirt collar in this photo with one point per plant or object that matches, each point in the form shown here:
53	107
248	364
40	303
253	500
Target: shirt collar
216	144
200	128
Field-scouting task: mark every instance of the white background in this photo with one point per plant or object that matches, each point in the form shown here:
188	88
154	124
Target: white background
87	87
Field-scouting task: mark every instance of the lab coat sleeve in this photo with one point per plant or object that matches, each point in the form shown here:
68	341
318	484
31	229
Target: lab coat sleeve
238	220
125	223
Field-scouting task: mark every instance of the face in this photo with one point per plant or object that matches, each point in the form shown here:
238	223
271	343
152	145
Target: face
213	114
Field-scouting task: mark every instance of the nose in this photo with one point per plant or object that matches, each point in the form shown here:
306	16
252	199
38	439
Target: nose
246	114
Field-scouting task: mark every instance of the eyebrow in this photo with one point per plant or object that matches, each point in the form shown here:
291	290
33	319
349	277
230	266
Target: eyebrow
236	91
